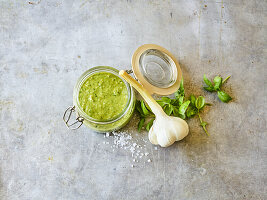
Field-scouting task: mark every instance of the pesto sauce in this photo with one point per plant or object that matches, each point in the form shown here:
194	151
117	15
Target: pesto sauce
103	96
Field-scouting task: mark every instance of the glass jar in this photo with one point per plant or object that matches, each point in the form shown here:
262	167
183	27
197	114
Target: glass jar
155	68
99	125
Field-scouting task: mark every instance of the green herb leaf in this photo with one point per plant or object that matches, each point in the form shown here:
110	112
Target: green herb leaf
177	95
141	124
176	111
161	103
217	82
191	111
207	81
180	91
149	124
200	102
182	116
183	107
182	86
144	109
192	99
166	100
147	106
224	97
209	89
175	102
181	100
168	109
138	108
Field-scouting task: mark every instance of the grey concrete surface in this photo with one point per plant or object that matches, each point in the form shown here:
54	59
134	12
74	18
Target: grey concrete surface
46	45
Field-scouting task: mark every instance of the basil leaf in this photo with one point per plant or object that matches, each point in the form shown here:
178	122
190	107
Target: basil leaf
217	82
138	108
209	89
177	94
149	124
224	97
175	111
177	114
175	102
147	106
200	102
183	107
140	124
181	100
191	111
138	105
166	100
168	109
180	91
182	116
160	102
207	81
144	109
192	99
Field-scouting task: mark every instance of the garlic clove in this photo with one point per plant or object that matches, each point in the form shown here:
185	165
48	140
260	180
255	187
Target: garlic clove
152	136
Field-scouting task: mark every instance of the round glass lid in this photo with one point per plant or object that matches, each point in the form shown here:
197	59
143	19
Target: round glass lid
156	69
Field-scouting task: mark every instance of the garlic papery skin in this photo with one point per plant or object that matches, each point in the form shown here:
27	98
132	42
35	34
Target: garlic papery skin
165	129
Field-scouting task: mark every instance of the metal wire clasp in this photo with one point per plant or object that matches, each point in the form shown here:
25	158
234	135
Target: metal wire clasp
66	119
129	71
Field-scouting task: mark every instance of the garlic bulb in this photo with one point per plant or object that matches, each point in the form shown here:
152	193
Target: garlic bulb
165	129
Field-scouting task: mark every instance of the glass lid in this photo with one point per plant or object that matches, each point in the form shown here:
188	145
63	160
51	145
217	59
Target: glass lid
156	69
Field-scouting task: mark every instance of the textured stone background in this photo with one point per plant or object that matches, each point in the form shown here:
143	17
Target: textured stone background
46	45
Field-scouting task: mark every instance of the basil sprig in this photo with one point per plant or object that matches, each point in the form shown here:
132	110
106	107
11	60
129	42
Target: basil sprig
178	107
196	105
182	107
216	87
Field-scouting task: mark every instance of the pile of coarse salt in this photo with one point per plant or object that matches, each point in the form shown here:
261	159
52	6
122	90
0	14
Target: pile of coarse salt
124	140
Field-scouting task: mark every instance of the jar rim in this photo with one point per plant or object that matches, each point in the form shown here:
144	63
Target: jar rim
84	77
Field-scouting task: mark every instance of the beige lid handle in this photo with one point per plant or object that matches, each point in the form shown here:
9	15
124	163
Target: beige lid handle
156	69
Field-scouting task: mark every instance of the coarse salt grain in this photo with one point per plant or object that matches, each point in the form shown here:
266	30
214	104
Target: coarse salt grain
124	140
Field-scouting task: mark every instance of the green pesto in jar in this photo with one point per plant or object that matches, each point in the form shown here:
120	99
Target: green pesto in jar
103	96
